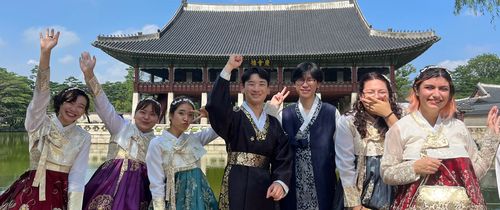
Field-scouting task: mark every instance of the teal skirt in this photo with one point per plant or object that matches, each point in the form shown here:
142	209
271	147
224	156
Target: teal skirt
192	191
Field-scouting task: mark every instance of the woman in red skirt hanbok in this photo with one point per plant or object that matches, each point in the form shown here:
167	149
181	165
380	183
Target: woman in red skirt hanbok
430	147
59	149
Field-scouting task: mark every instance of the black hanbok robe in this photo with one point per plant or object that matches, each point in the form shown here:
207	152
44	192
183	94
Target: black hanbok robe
245	187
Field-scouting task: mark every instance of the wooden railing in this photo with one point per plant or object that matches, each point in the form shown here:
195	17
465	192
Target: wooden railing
193	88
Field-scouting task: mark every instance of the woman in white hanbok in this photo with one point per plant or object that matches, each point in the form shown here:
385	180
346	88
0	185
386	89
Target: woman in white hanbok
430	147
359	146
173	160
58	148
121	182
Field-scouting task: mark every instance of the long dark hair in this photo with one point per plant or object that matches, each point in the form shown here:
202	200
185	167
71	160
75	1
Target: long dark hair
360	113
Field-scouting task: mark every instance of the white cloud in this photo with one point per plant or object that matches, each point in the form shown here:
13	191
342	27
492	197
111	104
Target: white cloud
110	70
2	42
66	59
146	29
32	62
67	37
452	64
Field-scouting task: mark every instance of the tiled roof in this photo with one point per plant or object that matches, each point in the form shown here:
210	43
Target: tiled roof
486	96
333	29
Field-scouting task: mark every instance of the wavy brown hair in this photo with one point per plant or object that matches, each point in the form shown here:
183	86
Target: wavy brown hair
360	113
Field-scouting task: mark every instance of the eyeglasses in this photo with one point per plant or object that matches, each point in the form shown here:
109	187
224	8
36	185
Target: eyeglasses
373	93
309	81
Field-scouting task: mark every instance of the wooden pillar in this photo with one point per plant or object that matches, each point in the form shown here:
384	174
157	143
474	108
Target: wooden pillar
280	77
205	77
392	76
240	73
204	99
354	77
136	78
354	80
171	76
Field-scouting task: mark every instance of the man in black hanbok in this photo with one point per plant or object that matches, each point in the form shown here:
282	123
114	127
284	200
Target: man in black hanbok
259	157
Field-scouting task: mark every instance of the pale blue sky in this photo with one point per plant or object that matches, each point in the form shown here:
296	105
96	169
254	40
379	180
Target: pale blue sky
80	21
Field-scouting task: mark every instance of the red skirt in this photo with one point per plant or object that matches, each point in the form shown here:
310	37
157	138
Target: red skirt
21	195
461	169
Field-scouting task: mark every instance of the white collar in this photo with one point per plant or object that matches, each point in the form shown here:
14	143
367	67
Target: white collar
60	126
439	121
261	121
307	117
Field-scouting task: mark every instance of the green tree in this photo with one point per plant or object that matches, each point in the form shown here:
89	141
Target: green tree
403	82
479	7
120	93
15	95
483	68
72	81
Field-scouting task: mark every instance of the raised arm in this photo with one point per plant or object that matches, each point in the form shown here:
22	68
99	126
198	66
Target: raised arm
481	159
219	102
103	107
37	108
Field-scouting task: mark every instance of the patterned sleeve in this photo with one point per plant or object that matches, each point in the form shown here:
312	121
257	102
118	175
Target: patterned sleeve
104	108
206	136
393	169
482	158
37	109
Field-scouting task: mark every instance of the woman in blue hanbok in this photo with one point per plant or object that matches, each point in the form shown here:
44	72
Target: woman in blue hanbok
173	161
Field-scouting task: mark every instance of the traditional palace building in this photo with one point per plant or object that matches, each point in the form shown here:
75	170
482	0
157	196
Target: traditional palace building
185	56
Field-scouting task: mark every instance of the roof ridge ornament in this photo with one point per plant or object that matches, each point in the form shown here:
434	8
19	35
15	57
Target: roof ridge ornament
408	34
268	7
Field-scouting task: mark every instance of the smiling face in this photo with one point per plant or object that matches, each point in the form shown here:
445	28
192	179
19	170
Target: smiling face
433	94
146	118
69	112
306	86
255	90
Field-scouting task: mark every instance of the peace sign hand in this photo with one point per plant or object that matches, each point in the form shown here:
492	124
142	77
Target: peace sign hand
279	97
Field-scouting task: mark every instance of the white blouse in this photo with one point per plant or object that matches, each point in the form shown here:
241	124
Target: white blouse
405	139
